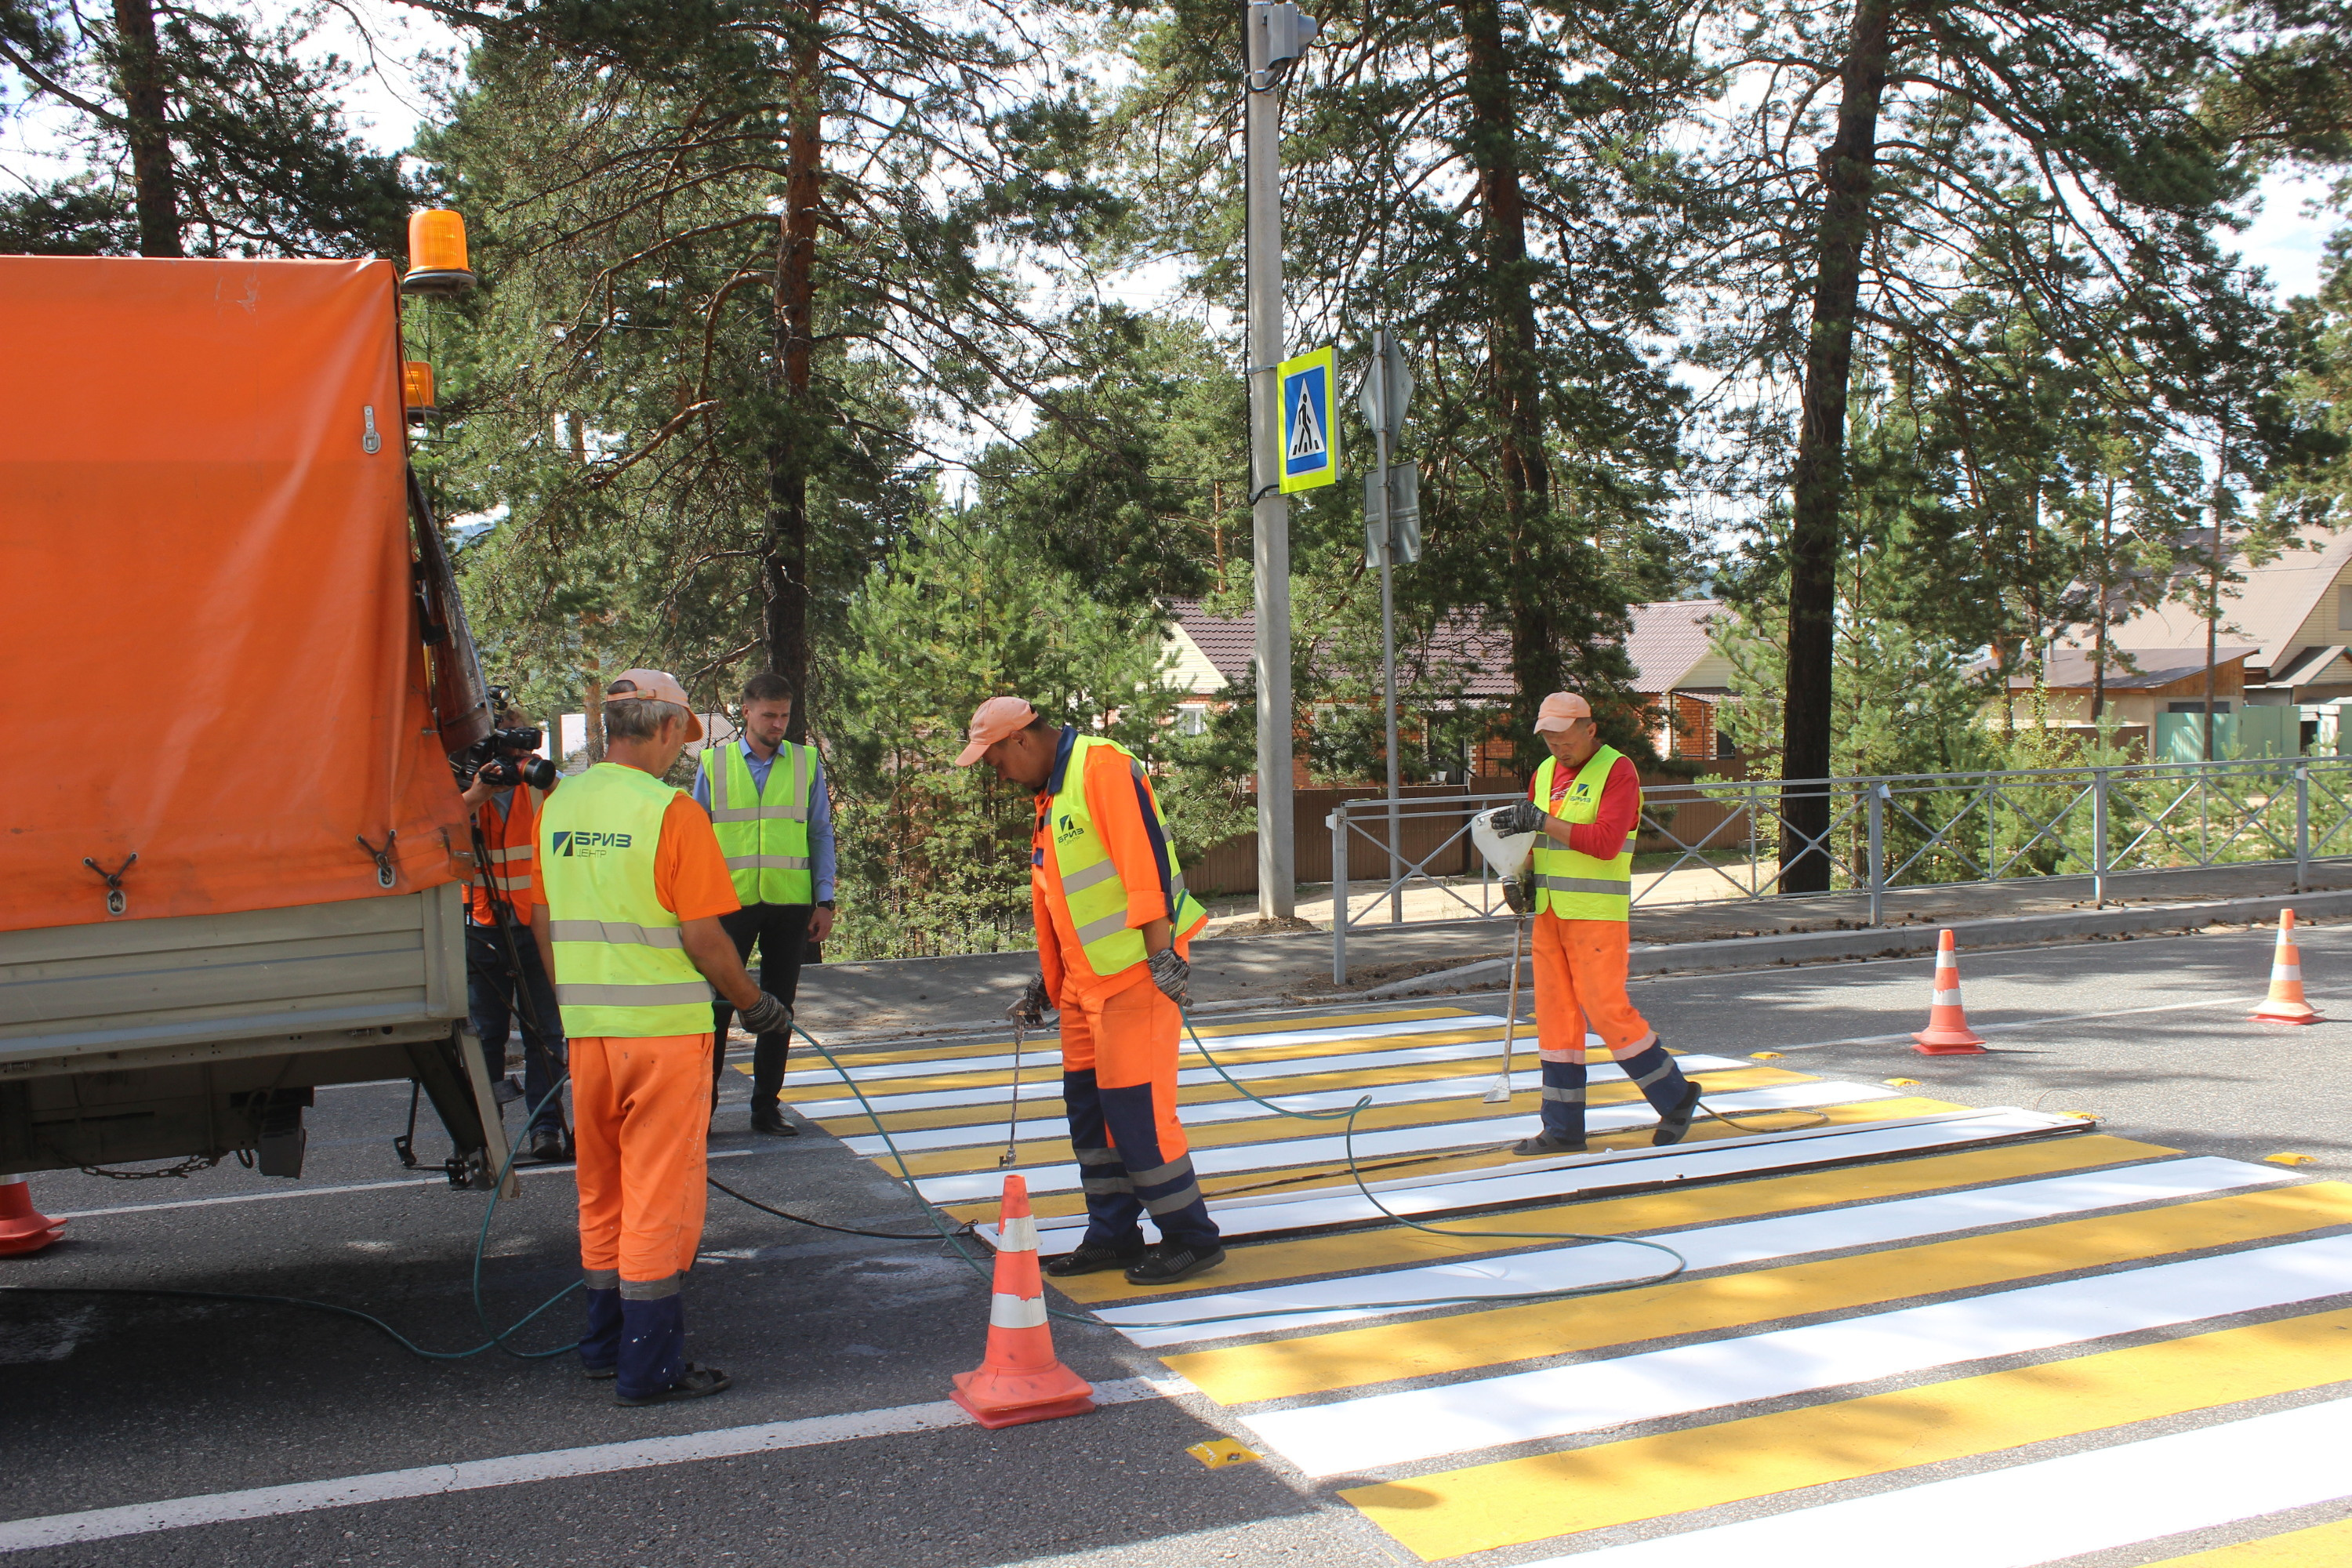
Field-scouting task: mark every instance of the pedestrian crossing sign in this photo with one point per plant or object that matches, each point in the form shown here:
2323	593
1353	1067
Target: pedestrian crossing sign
1310	441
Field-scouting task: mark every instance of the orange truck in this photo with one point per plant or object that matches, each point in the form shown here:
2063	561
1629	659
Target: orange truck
231	846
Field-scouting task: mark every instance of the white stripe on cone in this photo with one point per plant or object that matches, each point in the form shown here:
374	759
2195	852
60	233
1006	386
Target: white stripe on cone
1016	1311
2286	972
1017	1235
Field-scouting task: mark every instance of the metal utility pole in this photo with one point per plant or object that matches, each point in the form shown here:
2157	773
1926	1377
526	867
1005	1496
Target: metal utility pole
1274	32
1392	529
1379	396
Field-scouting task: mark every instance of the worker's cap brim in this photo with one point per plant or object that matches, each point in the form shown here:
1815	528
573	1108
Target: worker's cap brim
1560	710
662	687
992	721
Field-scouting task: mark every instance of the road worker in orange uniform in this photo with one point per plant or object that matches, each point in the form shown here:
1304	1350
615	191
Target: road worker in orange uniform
1585	801
1113	936
625	911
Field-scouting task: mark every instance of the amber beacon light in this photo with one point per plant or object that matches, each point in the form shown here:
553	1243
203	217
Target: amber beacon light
436	254
417	389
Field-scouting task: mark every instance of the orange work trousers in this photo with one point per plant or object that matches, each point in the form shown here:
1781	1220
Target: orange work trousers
1119	1086
642	1113
1580	986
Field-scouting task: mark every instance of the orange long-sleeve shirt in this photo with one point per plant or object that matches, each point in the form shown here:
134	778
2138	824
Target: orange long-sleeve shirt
1126	814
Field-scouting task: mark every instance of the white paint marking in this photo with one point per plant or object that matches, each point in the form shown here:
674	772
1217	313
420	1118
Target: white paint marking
1590	1175
475	1475
1452	1135
979	1133
1898	1221
1556	1402
1044	1055
2040	1512
1044	1084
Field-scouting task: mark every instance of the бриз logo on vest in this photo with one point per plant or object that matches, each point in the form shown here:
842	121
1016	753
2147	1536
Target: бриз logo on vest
573	843
1066	829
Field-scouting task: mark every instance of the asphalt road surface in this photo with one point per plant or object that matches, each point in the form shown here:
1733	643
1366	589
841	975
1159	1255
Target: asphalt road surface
111	1401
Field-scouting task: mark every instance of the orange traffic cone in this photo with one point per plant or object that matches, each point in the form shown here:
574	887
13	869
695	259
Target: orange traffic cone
1947	1033
2285	1004
1019	1379
22	1227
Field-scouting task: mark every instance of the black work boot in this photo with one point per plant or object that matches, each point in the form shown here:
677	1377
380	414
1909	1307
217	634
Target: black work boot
1548	1144
769	1119
1675	1125
695	1384
1093	1258
1166	1262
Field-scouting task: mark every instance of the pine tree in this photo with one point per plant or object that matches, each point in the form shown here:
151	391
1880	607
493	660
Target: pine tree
201	134
2054	153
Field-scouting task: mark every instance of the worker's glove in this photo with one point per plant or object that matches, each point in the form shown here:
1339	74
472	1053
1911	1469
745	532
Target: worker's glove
1029	1012
1173	976
1515	894
1519	816
768	1015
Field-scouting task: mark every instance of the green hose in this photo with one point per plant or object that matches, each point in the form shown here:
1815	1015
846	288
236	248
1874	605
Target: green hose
499	1337
906	1179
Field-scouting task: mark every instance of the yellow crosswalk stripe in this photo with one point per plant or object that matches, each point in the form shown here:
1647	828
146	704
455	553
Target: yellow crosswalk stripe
1270	1129
1305	1179
1398	1247
1548	1495
1236	1052
995	1043
1240	1374
2321	1546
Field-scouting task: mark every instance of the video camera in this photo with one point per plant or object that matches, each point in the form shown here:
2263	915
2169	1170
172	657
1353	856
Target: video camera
488	756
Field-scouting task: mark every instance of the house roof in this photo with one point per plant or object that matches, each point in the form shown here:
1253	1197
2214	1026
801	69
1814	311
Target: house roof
2267	610
2070	669
1669	644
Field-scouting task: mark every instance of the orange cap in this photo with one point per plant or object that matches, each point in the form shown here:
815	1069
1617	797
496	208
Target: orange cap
1560	710
992	721
662	686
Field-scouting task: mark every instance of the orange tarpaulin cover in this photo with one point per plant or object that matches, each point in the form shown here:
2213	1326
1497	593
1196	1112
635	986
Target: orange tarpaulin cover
205	580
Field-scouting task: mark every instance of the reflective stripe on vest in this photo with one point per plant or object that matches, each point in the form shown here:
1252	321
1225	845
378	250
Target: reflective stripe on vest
510	838
621	967
1081	878
764	834
1581	887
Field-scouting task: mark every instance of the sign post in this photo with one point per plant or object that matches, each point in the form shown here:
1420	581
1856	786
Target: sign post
1388	387
1275	33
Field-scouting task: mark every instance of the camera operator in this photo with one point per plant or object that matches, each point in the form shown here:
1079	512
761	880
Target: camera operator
504	978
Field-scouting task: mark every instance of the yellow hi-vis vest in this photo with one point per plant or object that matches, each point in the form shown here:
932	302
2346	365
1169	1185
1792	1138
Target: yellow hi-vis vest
1081	877
1579	887
620	958
764	834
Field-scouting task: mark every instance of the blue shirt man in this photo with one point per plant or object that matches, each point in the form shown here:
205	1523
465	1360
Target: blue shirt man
782	933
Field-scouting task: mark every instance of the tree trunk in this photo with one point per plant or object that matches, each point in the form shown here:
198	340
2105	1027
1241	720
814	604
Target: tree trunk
2214	575
1536	662
2106	567
1817	482
784	566
141	62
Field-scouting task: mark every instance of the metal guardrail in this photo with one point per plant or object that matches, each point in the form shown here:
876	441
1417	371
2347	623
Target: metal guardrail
1892	831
